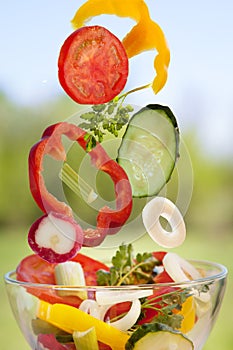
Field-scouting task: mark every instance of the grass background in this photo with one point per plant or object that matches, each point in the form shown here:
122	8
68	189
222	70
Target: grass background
219	248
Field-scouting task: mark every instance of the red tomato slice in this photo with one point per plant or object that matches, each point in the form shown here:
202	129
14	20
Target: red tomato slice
36	270
93	65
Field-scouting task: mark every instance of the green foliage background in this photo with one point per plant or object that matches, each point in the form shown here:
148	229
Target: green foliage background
209	218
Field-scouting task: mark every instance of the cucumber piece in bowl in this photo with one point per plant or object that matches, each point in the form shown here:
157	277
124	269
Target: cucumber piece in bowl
149	149
158	336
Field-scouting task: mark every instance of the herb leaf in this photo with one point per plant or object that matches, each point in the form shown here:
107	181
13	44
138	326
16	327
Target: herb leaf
126	269
105	118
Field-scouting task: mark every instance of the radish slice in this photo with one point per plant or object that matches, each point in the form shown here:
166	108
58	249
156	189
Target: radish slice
163	207
130	318
55	237
179	269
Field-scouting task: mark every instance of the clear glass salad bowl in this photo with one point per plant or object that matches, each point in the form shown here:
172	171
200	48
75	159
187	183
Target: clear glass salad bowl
151	316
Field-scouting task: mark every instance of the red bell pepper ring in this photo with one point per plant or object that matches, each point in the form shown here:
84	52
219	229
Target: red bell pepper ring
109	221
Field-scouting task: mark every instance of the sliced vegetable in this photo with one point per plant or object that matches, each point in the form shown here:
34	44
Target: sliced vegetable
93	65
72	319
179	269
149	149
163	207
55	237
107	297
49	342
42	327
92	308
145	35
34	269
109	221
158	336
86	340
189	315
70	273
129	320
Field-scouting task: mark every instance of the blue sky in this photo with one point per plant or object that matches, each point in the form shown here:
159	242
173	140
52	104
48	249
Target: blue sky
200	37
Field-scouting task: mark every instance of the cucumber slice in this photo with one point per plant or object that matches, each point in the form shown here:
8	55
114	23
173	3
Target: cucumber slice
149	149
158	336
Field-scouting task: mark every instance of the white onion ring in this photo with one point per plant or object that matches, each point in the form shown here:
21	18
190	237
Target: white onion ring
130	318
98	311
157	207
179	269
90	307
115	297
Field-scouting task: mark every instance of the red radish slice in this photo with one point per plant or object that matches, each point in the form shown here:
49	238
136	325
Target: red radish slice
55	237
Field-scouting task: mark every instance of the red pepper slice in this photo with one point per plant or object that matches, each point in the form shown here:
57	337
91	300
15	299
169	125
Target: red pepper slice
109	221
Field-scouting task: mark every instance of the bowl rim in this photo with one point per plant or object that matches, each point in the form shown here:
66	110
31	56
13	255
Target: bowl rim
221	273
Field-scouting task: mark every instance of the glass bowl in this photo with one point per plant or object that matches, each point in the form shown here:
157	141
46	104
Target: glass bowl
151	316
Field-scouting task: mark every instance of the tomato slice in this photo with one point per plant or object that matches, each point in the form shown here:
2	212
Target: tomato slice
36	270
92	65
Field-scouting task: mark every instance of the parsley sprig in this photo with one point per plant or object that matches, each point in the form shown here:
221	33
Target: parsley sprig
166	306
104	118
127	269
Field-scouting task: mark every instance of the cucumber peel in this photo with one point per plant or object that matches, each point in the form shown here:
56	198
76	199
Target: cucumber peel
158	336
149	149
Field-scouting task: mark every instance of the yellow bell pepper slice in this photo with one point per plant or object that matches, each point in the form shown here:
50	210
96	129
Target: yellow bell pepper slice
145	35
70	319
189	314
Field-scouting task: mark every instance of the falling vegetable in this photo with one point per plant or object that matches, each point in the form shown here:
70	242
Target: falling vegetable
109	221
145	35
93	65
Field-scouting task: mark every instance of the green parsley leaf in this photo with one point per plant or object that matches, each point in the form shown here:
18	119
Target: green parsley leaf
128	270
110	117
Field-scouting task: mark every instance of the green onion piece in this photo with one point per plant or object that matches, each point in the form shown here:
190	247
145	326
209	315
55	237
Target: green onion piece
77	184
86	340
70	273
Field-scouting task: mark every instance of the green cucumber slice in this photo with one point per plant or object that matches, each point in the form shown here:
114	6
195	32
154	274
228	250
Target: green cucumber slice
158	336
149	149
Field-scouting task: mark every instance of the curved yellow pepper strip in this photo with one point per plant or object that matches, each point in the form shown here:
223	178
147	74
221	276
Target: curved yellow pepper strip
70	319
189	314
145	35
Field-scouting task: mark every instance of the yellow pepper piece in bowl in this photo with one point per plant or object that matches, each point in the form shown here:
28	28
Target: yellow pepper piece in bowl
70	319
145	35
189	314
